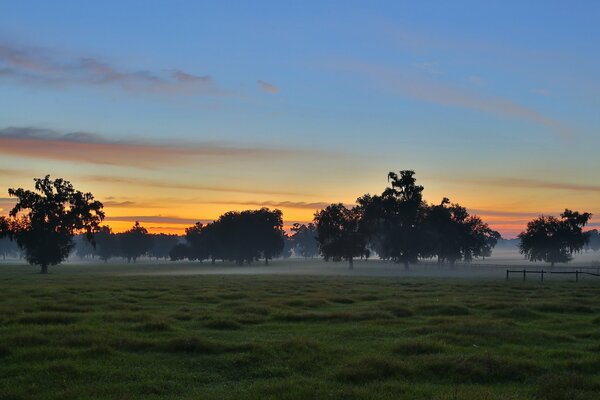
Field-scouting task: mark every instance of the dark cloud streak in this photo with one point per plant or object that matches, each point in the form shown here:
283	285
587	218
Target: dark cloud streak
41	66
92	148
182	186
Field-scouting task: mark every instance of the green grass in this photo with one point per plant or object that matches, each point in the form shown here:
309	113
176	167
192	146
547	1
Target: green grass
97	335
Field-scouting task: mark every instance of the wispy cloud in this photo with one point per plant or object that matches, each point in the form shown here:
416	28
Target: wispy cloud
511	215
92	148
532	184
161	219
39	65
133	182
542	92
431	67
476	80
278	204
433	91
267	87
124	204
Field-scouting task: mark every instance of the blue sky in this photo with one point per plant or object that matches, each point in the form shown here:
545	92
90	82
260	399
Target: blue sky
494	104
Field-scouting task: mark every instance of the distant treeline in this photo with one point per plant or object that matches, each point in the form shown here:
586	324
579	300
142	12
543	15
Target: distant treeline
238	237
49	224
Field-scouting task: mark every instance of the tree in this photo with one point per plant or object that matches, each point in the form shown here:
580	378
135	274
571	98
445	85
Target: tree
135	242
162	243
304	240
198	241
83	248
211	238
269	234
552	239
288	246
453	234
43	222
340	233
394	220
236	236
594	240
179	252
8	248
106	243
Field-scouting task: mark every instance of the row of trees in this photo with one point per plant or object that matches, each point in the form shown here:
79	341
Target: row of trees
131	244
235	236
246	236
398	225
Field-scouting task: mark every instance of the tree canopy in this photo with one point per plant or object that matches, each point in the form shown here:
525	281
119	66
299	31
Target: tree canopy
452	234
43	222
554	240
304	240
242	237
400	226
340	233
135	242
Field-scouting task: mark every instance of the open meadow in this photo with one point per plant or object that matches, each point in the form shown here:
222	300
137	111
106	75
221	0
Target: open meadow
136	332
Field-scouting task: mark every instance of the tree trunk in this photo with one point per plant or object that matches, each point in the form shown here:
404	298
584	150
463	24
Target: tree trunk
213	261
266	261
350	263
44	269
406	265
552	265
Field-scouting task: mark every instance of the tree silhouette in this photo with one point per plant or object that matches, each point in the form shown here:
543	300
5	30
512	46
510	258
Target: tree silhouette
197	238
394	220
340	233
236	236
454	235
211	238
594	240
135	242
106	243
179	252
8	248
552	239
43	222
304	240
268	234
83	248
288	247
162	243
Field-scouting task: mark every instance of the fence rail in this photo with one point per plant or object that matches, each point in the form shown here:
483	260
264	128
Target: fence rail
524	272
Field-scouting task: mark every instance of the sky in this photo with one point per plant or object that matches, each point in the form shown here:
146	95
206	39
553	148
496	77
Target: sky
172	112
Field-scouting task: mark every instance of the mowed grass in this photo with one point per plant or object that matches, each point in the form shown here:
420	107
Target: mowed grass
95	335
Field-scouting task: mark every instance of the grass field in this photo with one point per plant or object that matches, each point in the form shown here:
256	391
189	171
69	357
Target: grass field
98	335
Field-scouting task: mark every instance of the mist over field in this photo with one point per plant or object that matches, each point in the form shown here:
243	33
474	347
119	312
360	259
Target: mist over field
300	200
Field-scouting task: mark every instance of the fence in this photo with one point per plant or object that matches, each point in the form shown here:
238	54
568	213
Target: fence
542	272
